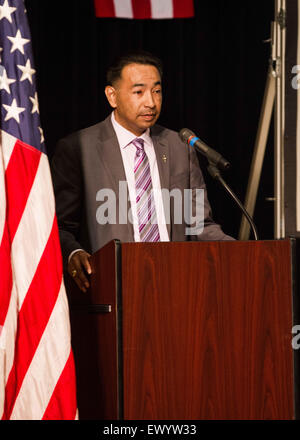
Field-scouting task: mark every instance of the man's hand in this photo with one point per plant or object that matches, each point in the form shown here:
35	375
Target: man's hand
78	267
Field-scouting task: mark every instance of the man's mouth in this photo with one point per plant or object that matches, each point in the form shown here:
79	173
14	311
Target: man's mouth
148	116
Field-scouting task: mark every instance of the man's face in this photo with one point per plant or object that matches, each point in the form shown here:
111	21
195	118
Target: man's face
136	97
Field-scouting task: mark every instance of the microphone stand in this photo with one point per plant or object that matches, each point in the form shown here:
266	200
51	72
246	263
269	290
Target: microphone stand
215	173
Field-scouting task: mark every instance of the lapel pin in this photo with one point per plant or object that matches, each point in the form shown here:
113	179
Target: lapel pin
164	158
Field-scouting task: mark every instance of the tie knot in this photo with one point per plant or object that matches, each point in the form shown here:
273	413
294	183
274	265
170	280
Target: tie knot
139	145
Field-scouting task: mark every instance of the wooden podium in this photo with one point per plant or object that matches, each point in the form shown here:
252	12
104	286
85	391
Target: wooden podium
186	331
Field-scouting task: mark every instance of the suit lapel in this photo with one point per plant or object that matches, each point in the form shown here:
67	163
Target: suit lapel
161	147
110	155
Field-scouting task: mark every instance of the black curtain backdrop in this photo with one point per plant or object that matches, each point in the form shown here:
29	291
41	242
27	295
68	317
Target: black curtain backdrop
215	68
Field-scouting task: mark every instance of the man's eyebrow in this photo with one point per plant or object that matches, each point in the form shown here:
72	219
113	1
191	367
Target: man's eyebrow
143	85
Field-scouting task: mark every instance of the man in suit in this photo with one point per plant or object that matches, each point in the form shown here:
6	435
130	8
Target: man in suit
128	147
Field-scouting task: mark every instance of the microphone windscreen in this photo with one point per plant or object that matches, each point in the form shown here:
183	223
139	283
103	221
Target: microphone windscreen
185	134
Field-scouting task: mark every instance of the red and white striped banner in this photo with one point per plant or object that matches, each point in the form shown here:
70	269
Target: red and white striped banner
143	9
37	374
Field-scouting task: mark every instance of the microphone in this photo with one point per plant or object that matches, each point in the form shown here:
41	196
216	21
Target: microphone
213	156
215	160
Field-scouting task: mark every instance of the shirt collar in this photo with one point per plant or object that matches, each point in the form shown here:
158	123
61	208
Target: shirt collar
125	137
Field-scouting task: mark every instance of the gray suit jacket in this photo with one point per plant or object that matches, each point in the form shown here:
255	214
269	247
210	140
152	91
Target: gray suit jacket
90	160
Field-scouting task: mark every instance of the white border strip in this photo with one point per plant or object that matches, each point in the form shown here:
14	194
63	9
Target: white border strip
298	132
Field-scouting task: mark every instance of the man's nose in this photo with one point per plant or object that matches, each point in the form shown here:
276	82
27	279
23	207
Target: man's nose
149	100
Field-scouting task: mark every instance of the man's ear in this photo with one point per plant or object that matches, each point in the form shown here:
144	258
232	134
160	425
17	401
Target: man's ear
110	93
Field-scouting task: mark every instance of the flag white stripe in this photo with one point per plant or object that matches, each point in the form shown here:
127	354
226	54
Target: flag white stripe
36	389
123	8
2	331
9	142
6	341
36	223
2	382
2	196
8	335
162	9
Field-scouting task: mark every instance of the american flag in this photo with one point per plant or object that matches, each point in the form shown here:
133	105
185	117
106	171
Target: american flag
143	9
37	375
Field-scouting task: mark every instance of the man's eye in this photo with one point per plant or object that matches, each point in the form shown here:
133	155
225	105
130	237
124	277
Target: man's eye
138	92
158	91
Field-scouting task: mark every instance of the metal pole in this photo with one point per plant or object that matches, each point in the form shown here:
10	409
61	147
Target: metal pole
280	16
261	136
259	152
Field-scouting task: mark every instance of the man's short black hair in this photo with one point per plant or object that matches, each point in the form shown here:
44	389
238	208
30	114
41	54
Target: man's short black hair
139	57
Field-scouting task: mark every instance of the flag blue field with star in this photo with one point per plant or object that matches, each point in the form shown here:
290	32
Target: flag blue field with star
18	95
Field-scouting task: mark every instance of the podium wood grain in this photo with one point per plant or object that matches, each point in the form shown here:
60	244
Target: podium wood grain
197	331
207	330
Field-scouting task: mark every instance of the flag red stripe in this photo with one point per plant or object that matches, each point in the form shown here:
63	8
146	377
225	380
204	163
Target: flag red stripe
104	8
62	404
34	316
20	174
183	9
6	274
141	9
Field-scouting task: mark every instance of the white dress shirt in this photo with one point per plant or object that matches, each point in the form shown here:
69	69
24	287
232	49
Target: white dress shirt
128	151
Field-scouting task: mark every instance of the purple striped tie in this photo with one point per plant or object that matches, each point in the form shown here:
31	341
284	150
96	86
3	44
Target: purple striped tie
146	212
